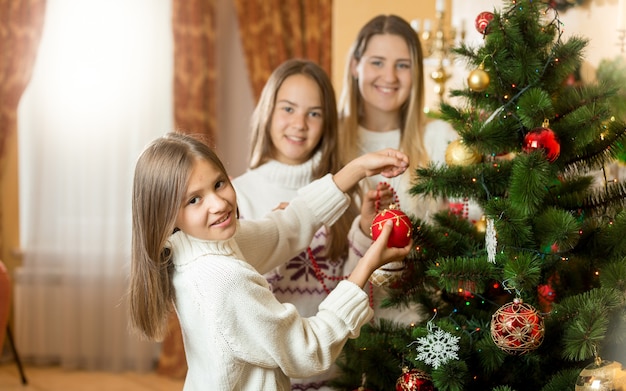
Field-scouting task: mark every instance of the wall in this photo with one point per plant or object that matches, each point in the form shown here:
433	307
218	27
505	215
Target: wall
9	217
236	100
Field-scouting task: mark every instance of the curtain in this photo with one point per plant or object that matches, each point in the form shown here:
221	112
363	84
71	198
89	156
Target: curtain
101	90
21	22
195	66
273	31
195	73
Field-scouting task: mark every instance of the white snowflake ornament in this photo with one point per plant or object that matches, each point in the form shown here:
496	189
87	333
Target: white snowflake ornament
438	347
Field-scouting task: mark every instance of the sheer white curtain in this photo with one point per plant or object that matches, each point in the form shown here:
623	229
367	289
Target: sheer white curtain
101	90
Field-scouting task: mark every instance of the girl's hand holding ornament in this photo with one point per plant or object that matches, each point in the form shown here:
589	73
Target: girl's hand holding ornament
372	200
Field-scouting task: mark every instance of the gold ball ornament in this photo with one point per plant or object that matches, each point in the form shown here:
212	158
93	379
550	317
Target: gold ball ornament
459	154
481	225
478	80
602	375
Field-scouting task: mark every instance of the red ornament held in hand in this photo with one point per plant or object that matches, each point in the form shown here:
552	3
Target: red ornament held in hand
402	227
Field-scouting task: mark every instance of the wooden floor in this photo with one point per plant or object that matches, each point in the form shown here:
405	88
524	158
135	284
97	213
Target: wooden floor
56	379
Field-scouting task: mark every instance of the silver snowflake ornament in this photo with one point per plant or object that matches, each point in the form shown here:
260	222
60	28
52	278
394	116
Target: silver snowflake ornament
437	348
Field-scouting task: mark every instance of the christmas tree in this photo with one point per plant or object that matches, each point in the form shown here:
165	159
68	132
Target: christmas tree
533	296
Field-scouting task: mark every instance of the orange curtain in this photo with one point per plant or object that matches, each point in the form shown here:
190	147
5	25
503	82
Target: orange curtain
273	31
193	23
21	24
194	29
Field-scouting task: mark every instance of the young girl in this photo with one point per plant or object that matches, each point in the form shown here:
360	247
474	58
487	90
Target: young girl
190	253
294	141
381	106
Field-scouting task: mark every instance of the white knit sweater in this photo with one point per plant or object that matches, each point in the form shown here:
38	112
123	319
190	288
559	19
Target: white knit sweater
437	136
237	335
259	191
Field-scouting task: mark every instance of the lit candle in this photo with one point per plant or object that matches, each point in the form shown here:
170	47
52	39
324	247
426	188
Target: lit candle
415	24
426	24
441	4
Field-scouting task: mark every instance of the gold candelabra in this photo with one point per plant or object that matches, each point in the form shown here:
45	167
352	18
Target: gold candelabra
437	45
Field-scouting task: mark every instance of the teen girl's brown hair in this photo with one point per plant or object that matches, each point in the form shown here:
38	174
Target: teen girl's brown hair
159	185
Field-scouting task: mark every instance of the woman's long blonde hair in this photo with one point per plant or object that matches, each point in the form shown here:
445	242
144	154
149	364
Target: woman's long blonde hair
412	111
159	185
262	149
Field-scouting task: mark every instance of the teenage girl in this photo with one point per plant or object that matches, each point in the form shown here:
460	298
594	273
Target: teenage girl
191	254
294	142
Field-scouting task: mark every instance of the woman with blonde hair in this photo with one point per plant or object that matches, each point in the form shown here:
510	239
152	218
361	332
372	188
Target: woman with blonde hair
382	106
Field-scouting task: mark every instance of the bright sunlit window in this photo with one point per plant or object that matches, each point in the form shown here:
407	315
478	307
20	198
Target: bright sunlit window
92	50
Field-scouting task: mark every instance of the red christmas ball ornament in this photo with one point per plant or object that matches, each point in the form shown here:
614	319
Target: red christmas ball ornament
544	139
402	227
517	328
414	380
482	22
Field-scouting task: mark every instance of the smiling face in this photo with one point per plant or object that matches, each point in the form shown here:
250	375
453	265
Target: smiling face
208	210
297	120
384	75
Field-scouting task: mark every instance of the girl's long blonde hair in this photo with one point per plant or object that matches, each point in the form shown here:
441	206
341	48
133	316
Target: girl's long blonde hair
159	185
412	121
262	149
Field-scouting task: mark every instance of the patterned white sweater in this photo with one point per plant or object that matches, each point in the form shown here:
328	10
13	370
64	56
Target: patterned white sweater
259	191
237	335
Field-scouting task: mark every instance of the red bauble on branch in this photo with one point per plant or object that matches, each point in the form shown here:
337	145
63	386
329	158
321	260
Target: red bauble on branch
402	227
544	139
414	380
482	22
517	328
